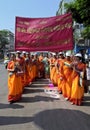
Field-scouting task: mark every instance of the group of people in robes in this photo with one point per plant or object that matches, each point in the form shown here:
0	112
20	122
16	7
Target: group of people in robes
23	69
65	71
68	73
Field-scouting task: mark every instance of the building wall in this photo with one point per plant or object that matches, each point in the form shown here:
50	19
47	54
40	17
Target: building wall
80	43
61	10
10	46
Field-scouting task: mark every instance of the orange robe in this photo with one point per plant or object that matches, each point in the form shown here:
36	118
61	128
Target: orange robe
21	61
27	77
77	92
67	82
52	68
60	75
14	84
31	71
41	70
35	68
55	74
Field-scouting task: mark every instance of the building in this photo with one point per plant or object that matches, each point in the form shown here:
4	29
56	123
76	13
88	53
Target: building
79	41
10	37
61	10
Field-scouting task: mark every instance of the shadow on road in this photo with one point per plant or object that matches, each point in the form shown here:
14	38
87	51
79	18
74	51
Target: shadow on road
40	83
62	119
32	90
56	119
13	106
86	101
10	120
36	99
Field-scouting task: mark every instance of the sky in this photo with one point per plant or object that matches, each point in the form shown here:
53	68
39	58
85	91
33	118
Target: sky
9	9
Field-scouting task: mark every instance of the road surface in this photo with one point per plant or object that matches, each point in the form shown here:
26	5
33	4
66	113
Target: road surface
38	111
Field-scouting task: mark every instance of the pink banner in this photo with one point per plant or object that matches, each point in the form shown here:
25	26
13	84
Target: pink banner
44	34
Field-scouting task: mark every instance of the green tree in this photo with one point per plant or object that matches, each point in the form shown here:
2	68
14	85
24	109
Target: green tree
80	11
86	33
3	38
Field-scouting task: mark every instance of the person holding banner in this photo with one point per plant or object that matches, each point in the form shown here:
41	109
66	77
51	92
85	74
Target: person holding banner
41	69
32	69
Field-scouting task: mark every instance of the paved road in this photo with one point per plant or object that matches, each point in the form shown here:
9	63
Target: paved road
37	111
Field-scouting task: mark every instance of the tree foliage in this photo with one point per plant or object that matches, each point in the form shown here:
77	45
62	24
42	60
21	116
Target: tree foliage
80	11
3	38
86	33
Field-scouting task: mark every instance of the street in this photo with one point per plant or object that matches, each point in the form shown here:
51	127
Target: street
37	111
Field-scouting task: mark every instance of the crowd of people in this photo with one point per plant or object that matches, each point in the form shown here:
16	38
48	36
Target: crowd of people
23	69
66	71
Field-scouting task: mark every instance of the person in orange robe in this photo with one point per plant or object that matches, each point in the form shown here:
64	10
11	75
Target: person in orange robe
60	64
35	66
31	70
77	92
55	71
52	61
67	82
14	81
25	80
40	64
20	60
27	69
